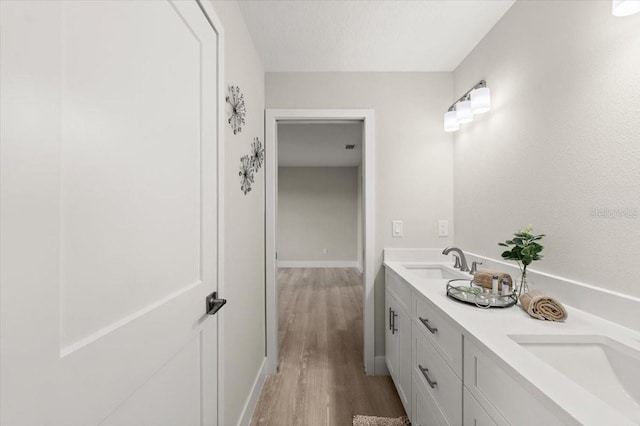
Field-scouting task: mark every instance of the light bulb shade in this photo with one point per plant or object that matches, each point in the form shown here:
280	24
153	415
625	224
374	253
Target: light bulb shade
450	122
480	100
463	112
625	7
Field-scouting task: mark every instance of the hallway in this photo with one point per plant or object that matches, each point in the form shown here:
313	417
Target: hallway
321	379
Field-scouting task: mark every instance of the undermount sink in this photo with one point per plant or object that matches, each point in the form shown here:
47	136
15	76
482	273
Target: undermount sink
435	272
604	367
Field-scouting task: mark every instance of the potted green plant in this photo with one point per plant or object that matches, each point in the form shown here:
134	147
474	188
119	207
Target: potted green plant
524	248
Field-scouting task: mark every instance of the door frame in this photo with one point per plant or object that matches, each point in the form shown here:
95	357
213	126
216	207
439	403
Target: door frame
216	25
272	117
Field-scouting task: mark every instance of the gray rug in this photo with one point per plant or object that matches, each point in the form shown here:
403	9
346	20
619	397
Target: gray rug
380	421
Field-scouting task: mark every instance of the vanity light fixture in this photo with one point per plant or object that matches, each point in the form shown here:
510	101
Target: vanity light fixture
463	111
625	7
450	122
475	101
480	100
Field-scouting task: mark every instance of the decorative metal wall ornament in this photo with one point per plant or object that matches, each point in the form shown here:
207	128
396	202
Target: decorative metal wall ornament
246	174
250	164
257	154
238	110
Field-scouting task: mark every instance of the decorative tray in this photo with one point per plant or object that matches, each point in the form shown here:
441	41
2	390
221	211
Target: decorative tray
474	294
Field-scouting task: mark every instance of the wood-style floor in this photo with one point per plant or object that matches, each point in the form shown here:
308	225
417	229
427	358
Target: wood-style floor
321	378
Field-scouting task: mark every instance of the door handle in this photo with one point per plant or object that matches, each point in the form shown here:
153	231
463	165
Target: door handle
394	323
214	304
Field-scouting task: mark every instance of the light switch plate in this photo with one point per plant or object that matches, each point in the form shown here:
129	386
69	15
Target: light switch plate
443	228
397	228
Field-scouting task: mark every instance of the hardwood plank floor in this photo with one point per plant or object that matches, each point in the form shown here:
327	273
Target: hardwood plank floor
321	378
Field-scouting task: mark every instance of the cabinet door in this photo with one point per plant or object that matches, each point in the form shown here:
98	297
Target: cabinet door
474	414
404	358
391	336
398	348
504	398
425	410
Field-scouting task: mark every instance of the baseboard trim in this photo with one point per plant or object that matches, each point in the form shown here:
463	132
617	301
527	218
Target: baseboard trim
252	400
381	366
318	264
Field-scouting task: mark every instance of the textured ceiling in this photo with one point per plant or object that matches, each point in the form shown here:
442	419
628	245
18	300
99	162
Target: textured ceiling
368	35
319	144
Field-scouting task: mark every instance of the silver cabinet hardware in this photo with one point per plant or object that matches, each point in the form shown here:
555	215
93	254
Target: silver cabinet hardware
425	373
425	322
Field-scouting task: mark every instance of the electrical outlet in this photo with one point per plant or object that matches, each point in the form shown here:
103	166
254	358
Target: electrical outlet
443	228
325	251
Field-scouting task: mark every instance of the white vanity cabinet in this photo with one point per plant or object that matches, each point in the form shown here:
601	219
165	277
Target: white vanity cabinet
443	375
398	335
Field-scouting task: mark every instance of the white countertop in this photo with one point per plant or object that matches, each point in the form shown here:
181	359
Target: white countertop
490	329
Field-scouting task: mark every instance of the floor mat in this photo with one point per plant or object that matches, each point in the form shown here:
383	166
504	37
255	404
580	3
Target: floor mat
380	421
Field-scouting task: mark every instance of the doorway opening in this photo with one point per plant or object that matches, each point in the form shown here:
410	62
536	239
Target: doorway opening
364	119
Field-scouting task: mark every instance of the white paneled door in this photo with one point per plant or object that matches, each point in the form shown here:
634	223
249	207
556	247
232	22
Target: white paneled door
109	227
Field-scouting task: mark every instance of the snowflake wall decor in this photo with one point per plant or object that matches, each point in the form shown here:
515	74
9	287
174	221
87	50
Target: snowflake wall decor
257	154
238	110
246	174
250	164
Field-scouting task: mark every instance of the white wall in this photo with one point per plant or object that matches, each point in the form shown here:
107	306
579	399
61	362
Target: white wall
414	166
319	144
562	139
317	210
244	322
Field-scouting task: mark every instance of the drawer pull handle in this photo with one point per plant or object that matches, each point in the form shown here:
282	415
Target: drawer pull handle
393	331
425	373
426	324
390	318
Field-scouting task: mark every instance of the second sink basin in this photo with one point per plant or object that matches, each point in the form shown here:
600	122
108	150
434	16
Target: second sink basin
435	272
605	367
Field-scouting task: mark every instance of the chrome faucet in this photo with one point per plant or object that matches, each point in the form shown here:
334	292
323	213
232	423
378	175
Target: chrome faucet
463	260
